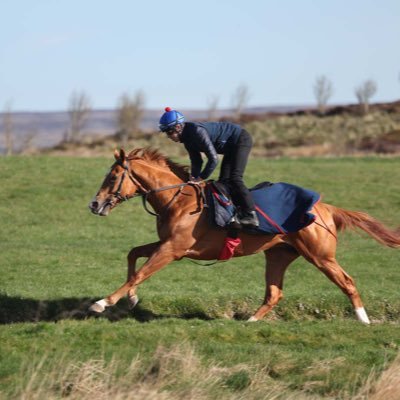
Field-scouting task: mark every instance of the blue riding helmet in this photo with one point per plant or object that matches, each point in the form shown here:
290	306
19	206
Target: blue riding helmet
169	119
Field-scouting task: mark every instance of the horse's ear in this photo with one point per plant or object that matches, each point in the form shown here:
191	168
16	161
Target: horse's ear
140	153
122	154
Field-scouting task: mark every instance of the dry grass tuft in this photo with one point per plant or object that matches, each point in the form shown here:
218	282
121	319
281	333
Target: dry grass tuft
178	373
385	387
173	373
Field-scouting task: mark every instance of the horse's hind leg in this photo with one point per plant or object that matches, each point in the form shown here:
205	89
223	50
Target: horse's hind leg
331	268
278	258
318	246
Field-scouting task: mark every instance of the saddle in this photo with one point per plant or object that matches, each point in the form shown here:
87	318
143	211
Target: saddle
221	210
281	207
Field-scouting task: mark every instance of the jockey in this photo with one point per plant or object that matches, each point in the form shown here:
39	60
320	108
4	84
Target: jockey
214	138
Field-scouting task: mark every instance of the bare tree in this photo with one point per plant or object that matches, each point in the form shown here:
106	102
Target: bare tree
212	107
129	115
78	110
27	144
323	91
8	129
240	99
364	92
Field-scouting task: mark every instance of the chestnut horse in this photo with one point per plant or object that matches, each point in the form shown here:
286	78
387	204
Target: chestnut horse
184	231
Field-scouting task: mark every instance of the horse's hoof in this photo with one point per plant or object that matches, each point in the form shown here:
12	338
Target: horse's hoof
98	307
362	315
133	301
252	319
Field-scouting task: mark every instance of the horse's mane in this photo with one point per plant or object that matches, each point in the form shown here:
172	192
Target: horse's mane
153	155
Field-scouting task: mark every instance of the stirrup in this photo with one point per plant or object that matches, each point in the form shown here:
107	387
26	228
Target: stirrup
234	223
250	220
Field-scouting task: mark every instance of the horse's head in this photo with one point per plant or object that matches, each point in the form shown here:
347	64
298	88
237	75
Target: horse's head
118	185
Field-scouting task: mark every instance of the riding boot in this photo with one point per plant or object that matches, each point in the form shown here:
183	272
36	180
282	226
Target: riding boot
249	219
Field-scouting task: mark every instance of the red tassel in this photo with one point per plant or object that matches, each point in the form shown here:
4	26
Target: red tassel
168	109
230	245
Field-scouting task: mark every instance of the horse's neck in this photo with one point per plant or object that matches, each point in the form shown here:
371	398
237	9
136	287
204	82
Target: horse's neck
153	177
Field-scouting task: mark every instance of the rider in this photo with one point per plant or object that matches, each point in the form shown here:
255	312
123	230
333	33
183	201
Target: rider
214	138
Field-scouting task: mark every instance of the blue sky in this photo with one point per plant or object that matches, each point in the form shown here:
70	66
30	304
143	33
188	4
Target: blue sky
182	53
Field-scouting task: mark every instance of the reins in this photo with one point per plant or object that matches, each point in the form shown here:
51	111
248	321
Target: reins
179	186
145	193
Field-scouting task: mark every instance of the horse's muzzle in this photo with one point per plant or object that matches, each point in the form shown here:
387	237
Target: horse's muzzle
100	209
93	206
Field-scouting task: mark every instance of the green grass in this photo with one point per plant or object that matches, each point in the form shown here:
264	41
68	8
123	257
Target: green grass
56	258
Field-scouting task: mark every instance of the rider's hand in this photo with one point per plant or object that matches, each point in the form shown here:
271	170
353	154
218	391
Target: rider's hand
195	181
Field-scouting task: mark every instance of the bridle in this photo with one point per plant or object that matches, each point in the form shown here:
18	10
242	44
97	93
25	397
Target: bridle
118	194
145	193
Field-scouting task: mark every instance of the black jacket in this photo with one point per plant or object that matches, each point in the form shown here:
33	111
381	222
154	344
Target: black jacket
211	138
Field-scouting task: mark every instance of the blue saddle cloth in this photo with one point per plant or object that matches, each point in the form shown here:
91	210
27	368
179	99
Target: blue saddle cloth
281	207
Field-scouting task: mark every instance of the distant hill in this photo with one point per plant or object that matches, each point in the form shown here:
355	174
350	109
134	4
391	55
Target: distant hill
46	129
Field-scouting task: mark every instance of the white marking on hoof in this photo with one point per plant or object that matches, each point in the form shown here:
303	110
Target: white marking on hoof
362	315
252	319
99	306
133	300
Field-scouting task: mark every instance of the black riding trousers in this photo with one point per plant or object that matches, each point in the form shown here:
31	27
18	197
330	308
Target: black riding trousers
232	169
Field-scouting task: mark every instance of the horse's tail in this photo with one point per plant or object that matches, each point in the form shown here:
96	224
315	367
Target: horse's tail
354	219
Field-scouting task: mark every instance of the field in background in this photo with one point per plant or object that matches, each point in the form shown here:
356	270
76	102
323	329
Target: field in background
189	336
280	135
334	135
277	131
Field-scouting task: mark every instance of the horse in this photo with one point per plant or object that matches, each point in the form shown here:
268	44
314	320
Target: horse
184	231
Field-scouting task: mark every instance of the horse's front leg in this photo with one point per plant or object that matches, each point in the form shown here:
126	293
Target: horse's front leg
162	255
137	252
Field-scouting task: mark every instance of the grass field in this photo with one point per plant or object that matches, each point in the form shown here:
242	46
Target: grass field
188	337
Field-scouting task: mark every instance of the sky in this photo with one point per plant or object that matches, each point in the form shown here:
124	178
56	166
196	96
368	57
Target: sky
183	54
